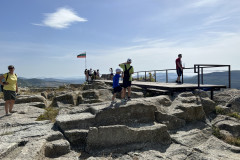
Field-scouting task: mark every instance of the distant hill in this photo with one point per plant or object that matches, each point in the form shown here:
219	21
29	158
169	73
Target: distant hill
219	78
46	82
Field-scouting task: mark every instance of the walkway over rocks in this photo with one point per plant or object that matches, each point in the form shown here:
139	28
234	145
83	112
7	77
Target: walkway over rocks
170	88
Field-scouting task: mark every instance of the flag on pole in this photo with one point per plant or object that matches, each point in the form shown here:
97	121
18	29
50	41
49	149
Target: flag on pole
82	55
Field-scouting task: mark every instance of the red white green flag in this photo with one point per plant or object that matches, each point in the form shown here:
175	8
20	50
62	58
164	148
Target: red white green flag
82	55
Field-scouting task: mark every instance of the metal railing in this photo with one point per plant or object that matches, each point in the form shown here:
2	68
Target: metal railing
198	68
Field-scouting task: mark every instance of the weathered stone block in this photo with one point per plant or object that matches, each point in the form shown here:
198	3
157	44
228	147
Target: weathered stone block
75	121
77	137
57	148
120	135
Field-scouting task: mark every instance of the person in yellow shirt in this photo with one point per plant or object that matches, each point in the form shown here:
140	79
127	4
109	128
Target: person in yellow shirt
10	88
127	77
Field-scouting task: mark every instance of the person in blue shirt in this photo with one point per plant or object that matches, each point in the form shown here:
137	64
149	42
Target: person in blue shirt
116	86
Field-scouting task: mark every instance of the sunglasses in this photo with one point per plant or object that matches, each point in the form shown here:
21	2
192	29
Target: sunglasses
10	68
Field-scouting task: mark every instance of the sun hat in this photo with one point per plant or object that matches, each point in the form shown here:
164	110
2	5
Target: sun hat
129	60
118	70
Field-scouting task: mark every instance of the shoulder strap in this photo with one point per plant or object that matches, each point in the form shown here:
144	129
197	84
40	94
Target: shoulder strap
125	67
6	77
129	68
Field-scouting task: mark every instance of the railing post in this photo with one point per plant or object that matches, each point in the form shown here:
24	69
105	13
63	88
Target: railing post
198	77
155	76
145	76
166	76
182	76
202	74
229	76
137	76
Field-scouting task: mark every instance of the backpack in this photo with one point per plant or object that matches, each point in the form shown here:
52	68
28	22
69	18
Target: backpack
5	81
126	73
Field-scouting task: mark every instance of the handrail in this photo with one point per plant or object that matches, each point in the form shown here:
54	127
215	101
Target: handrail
198	68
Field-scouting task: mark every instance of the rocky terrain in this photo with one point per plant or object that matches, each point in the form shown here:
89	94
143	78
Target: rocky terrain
183	126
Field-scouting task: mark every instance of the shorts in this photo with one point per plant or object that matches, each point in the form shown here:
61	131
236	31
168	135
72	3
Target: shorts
179	72
9	95
117	89
127	83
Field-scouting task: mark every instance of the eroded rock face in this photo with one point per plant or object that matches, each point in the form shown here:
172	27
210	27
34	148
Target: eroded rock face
234	104
130	113
65	99
120	135
223	97
160	127
229	124
187	107
29	99
57	148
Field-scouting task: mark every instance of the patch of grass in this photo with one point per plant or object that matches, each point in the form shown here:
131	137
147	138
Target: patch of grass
6	133
220	110
234	114
232	140
216	132
50	114
228	139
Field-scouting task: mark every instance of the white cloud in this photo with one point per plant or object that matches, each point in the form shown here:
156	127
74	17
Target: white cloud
62	18
204	3
215	19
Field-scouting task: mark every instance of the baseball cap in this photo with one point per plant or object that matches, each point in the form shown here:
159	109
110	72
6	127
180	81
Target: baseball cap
129	60
118	70
10	66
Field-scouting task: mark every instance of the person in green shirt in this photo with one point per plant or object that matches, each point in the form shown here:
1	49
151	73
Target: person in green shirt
10	88
127	77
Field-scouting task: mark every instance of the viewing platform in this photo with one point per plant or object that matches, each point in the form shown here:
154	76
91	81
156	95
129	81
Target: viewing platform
170	88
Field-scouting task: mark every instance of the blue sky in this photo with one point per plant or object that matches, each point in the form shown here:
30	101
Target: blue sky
43	37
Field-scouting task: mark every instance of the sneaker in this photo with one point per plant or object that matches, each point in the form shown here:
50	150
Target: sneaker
176	81
113	102
129	99
179	82
123	101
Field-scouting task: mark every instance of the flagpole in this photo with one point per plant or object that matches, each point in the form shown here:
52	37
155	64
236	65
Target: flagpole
85	60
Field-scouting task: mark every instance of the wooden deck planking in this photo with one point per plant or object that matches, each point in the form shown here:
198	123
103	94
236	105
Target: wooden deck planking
170	86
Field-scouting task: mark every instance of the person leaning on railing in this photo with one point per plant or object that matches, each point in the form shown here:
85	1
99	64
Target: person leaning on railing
179	68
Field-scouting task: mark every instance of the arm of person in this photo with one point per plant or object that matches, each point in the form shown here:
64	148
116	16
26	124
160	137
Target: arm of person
131	71
1	78
179	65
122	64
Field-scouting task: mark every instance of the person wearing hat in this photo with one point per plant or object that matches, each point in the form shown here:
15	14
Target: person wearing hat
116	86
179	68
10	88
127	77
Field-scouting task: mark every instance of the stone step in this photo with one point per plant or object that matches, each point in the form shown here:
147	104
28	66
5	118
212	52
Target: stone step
56	148
75	121
131	113
77	137
32	150
105	137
